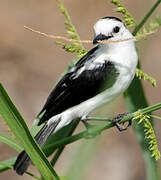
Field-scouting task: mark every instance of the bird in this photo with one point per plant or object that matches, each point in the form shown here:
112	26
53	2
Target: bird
97	78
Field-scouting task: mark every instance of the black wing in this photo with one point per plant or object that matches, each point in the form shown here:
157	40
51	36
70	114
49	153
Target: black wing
77	86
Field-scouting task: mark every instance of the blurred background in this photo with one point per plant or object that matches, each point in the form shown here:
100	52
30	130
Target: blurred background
31	64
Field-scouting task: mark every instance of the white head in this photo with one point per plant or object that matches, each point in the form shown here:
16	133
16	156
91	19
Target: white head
110	28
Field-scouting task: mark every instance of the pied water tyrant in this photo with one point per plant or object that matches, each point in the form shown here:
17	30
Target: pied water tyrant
97	78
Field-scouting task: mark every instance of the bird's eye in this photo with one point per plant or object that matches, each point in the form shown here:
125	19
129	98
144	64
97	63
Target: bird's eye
116	29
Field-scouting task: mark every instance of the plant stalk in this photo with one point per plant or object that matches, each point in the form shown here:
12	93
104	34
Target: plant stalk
146	17
99	128
135	99
68	133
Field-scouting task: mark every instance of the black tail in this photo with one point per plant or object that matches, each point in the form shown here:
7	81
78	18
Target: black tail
23	160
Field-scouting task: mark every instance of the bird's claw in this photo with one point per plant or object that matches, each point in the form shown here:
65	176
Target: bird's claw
118	118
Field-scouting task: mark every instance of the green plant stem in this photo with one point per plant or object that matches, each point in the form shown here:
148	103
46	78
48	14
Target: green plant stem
146	17
57	155
69	132
156	117
18	126
135	99
5	165
133	103
75	124
98	129
33	175
151	108
79	136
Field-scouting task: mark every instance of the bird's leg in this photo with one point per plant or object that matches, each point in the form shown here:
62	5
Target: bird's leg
84	121
118	118
98	119
114	120
90	134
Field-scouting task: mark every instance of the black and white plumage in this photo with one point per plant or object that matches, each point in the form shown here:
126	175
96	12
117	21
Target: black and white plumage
97	78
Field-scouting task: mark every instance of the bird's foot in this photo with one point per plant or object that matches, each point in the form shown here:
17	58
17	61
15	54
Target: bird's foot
118	118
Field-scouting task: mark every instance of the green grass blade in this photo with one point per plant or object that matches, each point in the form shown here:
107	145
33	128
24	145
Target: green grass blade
10	141
67	133
54	138
18	126
146	17
134	100
7	164
62	133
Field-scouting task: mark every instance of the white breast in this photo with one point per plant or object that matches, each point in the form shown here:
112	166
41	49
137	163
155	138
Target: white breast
124	57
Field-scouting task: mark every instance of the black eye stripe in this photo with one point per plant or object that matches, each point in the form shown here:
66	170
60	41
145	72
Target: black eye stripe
116	29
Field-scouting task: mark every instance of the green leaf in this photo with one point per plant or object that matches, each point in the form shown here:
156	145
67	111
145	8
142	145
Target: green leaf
135	99
11	142
48	148
7	164
18	126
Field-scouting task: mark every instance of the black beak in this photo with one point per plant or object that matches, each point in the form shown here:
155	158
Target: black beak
101	37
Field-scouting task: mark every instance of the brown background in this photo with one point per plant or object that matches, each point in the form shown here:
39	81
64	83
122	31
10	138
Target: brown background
30	65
